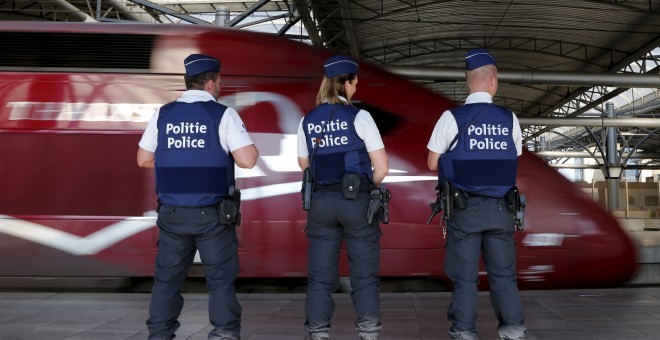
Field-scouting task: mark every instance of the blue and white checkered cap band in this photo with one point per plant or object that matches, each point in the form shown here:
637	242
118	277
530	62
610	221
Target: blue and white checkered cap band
477	58
200	63
339	64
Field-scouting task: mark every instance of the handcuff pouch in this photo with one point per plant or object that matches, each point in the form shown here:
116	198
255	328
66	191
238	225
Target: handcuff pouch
229	211
350	185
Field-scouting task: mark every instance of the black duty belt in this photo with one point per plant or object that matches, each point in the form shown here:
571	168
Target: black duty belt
214	205
469	195
364	187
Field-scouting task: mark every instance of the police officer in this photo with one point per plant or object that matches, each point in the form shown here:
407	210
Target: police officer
194	143
341	144
479	143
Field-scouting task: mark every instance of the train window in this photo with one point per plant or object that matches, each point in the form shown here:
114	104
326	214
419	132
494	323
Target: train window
385	120
62	51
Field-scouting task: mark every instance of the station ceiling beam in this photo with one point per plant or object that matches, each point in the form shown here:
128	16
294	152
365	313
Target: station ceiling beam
533	77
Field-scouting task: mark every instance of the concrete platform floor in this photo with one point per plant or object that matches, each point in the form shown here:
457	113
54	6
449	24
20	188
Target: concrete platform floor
619	313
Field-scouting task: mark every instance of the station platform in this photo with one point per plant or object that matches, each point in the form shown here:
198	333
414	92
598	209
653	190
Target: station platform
618	313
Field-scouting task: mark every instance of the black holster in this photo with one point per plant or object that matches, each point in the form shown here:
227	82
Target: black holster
379	205
229	211
515	204
307	189
444	201
448	194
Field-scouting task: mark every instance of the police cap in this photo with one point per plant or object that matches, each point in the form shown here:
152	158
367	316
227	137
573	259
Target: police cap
340	64
200	63
477	58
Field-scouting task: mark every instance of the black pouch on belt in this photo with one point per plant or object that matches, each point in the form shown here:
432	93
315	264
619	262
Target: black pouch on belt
350	185
512	200
229	211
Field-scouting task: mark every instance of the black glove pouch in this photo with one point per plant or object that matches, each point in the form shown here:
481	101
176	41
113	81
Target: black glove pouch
350	185
460	201
229	211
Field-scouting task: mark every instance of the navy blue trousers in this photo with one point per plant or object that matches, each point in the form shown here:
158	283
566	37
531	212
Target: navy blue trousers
484	228
182	231
331	220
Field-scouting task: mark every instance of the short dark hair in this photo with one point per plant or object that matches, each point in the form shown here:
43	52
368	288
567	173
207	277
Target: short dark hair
197	82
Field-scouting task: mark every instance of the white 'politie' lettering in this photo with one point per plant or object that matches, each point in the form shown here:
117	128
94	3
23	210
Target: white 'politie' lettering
182	141
328	139
487	143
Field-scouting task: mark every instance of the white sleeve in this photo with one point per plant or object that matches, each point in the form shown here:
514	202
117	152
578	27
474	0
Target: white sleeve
302	143
149	139
517	134
233	134
444	132
366	128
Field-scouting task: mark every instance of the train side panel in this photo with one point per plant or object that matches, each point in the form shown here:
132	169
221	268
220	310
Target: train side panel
76	204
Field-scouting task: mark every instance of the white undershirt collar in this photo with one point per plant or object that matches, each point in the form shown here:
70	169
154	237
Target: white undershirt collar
479	97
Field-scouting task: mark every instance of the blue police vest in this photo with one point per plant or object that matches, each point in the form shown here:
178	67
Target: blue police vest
192	168
484	160
334	146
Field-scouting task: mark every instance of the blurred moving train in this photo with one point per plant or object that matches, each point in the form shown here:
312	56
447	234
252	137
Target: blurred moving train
74	99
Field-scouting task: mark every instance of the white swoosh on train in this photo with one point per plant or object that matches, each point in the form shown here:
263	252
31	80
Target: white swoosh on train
74	244
117	232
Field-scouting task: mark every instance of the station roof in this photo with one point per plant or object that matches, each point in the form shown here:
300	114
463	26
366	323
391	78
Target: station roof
561	42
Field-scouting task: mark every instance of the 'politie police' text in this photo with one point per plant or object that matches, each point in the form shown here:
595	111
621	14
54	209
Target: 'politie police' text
328	138
488	137
186	135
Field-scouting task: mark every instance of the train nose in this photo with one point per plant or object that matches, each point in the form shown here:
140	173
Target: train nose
609	254
584	249
569	240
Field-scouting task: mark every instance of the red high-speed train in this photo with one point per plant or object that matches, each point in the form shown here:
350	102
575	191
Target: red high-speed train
75	97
